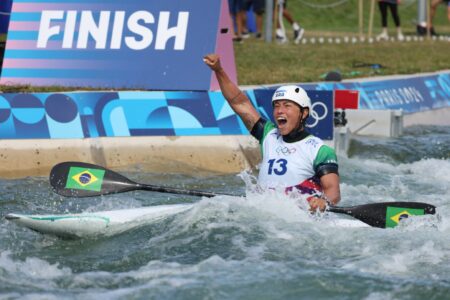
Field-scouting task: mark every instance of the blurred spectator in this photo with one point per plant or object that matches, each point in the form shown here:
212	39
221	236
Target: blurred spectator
258	7
434	5
384	5
280	33
237	14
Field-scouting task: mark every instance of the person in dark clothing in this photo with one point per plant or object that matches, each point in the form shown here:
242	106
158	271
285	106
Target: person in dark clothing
392	5
237	15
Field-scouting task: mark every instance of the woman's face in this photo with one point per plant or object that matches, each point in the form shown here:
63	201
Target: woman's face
287	115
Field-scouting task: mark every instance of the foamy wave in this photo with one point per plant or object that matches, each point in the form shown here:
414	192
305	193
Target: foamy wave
371	165
32	272
435	169
409	260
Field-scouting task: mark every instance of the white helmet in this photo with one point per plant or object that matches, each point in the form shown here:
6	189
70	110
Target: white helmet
293	93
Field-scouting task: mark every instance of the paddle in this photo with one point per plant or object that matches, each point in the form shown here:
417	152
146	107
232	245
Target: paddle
78	179
385	214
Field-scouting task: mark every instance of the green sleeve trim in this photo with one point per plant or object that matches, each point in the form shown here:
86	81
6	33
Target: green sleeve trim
326	155
267	128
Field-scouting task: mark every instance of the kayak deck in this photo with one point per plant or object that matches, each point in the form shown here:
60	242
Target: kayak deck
96	223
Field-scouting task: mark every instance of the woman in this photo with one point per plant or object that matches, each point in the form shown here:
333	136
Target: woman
292	158
384	5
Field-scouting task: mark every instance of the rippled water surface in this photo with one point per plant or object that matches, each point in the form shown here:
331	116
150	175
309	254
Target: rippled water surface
254	247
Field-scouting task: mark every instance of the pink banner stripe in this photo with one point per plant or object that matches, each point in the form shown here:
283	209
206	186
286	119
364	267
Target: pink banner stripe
38	7
224	47
24	26
34	26
53	81
58	64
51	45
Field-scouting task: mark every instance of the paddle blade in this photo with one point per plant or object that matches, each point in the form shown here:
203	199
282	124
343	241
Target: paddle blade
386	214
78	179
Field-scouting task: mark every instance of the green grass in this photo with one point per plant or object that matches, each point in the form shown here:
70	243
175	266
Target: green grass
262	63
344	18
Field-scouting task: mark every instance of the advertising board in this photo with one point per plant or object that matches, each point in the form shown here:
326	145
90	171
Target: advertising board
123	114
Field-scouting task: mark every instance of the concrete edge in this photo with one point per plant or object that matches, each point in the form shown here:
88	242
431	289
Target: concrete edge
184	154
439	116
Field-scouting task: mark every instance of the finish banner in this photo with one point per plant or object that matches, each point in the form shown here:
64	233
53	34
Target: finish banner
133	44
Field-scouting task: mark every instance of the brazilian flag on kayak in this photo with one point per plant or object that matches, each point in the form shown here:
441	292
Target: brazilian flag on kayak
395	214
85	179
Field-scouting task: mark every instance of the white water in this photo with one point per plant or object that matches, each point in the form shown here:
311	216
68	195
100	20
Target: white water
255	247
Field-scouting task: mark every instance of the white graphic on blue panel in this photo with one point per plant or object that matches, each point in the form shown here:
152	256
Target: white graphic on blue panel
227	121
252	97
219	105
117	124
182	118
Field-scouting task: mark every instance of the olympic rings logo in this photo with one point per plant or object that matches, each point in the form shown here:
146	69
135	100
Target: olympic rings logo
285	150
313	114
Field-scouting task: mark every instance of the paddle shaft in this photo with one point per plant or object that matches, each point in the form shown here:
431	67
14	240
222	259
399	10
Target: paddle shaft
163	189
79	179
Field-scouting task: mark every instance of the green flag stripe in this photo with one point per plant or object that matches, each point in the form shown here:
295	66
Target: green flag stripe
395	213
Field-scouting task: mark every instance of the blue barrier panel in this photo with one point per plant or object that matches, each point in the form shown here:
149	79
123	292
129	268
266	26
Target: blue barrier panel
120	114
5	10
411	93
135	44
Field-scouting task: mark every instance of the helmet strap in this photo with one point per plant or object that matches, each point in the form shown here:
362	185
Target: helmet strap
303	120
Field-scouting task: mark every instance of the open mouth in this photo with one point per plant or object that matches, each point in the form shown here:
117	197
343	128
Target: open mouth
281	121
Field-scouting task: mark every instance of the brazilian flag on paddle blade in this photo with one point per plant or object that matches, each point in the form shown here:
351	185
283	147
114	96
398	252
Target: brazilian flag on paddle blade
395	214
85	179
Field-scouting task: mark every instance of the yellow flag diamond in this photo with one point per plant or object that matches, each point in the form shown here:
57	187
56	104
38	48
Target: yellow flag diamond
85	178
401	215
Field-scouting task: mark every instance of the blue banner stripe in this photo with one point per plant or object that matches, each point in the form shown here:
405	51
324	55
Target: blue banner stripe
63	1
105	75
199	131
90	54
26	16
54	54
25	36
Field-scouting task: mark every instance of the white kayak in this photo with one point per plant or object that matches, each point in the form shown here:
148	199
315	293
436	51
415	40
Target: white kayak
107	223
102	223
